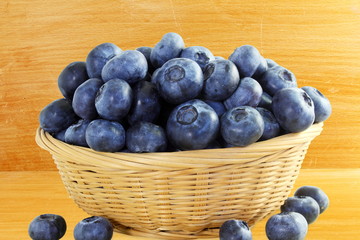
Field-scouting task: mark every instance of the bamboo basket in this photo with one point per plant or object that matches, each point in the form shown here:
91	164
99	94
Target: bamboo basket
181	195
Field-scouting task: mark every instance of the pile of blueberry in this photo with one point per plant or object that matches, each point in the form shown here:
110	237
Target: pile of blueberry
53	227
291	223
170	97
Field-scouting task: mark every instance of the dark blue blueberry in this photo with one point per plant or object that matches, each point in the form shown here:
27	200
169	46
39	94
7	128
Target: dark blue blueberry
316	193
130	65
322	104
75	134
146	137
306	206
265	101
169	47
146	104
199	54
241	126
179	80
192	125
166	109
277	78
219	107
93	228
60	135
105	136
248	93
99	56
57	116
47	227
221	78
293	109
286	226
271	63
271	126
146	51
214	145
71	77
261	69
114	99
156	74
247	59
84	98
235	230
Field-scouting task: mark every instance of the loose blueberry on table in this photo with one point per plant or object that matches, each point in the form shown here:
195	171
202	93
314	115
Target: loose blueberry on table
93	228
47	227
235	230
304	205
316	193
286	226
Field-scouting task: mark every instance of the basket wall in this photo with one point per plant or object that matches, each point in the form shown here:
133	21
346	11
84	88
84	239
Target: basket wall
181	194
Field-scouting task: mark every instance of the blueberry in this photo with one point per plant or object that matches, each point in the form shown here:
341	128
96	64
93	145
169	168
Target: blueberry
321	103
235	230
221	78
156	74
129	65
316	193
106	136
71	77
47	227
271	125
93	228
277	78
179	80
114	99
146	104
214	145
306	206
248	93
146	51
241	126
99	56
75	134
84	98
57	116
247	59
261	69
265	101
286	226
294	109
271	63
192	125
169	47
146	137
199	54
60	135
219	107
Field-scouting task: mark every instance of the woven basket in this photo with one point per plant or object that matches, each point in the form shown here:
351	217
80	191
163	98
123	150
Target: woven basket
181	195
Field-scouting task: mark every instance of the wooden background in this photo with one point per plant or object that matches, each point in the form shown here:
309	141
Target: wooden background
317	40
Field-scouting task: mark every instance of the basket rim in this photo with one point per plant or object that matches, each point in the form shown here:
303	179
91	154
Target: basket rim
201	157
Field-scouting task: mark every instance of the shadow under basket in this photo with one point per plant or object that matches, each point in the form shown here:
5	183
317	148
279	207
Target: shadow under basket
181	195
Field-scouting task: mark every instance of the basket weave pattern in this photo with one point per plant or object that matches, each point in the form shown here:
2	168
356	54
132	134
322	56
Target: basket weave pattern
179	195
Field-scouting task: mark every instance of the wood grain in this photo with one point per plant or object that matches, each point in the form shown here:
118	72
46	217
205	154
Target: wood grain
317	40
25	195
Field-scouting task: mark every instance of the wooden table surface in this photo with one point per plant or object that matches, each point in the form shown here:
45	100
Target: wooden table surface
25	195
319	41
